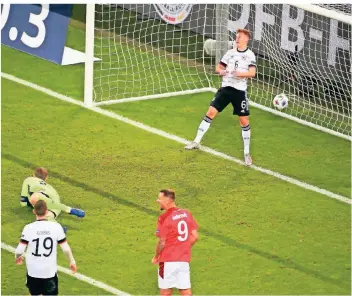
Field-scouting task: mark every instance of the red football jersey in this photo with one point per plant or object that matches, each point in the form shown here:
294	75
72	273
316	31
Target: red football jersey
176	225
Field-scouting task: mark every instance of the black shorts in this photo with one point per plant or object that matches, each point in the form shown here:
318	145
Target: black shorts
227	95
37	286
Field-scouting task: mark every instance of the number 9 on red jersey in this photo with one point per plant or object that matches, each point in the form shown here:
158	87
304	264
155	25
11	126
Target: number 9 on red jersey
176	226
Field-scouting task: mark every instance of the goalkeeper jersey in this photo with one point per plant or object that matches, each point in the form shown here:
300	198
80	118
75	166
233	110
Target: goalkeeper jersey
34	184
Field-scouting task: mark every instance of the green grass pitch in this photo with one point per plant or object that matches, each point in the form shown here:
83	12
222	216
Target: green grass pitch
258	235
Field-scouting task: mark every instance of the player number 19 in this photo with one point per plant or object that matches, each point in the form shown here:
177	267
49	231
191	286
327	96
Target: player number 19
182	230
48	245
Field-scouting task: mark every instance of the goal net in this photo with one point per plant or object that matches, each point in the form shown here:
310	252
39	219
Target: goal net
160	50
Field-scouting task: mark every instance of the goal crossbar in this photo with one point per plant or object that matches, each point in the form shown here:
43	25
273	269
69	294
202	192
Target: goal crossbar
347	19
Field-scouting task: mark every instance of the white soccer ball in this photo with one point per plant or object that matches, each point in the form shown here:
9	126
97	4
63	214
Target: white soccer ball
280	101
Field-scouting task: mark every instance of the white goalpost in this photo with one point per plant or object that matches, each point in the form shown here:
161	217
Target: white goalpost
151	51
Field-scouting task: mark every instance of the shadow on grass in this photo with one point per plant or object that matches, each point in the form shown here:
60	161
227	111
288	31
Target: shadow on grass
288	263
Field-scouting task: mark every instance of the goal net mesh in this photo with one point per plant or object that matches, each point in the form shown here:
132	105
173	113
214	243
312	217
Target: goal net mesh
151	50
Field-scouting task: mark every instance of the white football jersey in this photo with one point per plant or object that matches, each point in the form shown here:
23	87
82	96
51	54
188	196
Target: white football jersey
240	61
42	238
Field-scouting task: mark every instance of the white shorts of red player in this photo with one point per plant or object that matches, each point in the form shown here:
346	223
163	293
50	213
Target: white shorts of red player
174	275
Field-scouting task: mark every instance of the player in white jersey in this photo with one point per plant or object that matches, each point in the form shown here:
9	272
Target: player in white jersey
236	66
41	239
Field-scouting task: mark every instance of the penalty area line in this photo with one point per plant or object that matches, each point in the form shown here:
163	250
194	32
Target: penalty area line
178	139
78	276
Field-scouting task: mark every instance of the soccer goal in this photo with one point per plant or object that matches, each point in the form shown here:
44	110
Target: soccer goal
151	51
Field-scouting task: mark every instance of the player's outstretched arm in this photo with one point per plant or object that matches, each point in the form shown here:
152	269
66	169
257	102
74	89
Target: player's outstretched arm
68	252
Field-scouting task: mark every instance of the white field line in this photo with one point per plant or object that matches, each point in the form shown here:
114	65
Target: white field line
78	276
251	103
157	96
178	139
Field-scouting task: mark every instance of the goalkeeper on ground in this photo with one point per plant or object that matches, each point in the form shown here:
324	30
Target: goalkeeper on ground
36	188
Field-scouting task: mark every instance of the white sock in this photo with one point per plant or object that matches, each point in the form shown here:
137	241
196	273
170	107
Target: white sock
246	135
202	129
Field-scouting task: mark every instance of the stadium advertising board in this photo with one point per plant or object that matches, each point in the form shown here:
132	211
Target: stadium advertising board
39	30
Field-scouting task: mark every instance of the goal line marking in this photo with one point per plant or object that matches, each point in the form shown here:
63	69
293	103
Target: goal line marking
78	276
251	103
177	139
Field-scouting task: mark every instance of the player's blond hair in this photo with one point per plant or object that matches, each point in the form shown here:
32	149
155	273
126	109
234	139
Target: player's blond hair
41	173
40	208
244	31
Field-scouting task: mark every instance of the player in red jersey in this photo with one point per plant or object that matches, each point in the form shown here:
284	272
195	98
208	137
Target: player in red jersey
177	233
